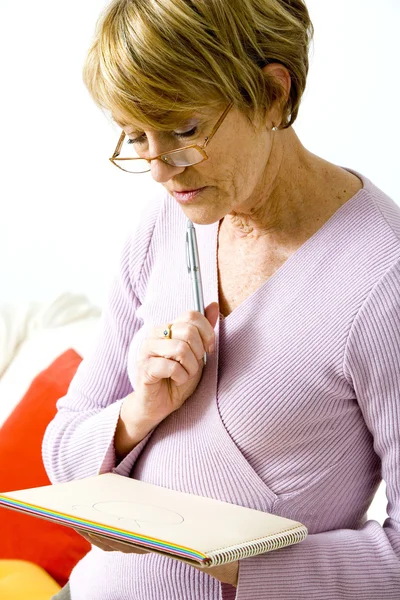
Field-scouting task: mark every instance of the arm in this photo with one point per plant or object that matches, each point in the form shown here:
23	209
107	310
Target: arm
79	442
351	564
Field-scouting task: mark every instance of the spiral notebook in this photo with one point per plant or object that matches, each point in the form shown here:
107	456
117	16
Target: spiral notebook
200	531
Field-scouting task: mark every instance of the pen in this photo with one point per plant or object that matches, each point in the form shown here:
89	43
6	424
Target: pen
193	265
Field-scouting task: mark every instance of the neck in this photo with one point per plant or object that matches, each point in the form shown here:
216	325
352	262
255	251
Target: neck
297	194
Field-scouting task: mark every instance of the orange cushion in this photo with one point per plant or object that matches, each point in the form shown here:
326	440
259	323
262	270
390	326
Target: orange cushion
54	547
20	580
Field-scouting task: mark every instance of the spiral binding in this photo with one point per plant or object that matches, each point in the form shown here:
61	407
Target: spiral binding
247	549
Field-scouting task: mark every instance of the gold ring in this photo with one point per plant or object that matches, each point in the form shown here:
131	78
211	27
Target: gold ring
167	332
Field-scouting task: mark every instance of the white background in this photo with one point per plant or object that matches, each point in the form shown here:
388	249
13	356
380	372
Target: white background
65	210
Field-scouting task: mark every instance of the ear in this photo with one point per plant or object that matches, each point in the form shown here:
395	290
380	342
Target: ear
281	74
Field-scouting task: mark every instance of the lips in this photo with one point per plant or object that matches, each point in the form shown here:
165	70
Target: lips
187	196
187	191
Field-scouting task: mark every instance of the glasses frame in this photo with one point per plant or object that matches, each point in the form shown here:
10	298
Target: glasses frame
164	155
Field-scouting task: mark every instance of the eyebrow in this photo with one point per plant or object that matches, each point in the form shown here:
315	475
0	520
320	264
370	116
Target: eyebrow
122	124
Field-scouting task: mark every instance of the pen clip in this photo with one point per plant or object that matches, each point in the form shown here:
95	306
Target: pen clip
187	253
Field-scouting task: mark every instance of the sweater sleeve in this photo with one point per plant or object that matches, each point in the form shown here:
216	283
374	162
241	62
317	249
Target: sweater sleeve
351	564
79	442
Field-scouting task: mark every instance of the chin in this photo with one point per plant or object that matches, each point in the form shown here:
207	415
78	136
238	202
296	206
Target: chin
200	216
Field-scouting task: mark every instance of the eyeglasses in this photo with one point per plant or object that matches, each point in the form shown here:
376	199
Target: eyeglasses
182	157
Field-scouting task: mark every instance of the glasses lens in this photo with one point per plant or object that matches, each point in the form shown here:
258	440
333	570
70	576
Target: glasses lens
132	166
183	158
126	154
128	159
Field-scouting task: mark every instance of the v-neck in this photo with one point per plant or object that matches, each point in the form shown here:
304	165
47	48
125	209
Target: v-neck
333	221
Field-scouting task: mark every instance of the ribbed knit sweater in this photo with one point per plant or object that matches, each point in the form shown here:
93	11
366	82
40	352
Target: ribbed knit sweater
297	411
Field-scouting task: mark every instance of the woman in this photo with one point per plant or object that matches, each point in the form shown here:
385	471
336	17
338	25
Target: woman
297	409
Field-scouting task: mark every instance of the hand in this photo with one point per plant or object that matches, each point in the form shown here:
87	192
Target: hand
109	545
169	370
225	573
228	573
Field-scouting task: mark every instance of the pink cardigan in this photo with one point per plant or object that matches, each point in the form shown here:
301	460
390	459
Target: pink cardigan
297	412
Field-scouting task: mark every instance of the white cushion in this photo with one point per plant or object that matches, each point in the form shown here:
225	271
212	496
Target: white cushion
20	321
35	336
37	353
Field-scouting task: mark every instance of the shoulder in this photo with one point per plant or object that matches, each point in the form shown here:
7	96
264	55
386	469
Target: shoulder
381	209
377	218
376	327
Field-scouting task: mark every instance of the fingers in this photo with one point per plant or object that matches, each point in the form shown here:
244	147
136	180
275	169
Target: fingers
178	350
200	323
99	542
179	358
192	328
155	368
115	546
94	540
109	545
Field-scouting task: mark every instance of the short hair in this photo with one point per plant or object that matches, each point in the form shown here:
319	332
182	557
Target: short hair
157	61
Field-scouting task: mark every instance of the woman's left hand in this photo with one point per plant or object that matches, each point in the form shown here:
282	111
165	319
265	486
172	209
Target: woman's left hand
110	545
224	573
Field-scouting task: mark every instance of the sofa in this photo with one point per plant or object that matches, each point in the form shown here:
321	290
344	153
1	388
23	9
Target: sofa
41	346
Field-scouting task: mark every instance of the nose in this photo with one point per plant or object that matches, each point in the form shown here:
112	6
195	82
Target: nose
162	172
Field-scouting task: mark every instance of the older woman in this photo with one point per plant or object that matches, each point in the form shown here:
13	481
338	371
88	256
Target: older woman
297	409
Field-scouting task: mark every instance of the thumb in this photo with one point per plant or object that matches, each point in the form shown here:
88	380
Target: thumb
212	313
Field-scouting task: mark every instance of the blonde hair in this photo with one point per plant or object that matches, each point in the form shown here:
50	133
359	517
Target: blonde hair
155	62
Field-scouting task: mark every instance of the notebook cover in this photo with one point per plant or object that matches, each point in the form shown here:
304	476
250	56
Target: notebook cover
199	530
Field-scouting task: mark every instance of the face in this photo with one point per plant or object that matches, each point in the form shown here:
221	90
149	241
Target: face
234	178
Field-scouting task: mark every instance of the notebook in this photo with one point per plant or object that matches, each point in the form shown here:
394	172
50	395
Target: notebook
203	532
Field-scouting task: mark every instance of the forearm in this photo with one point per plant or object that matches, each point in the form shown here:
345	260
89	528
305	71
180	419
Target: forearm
131	428
77	444
336	565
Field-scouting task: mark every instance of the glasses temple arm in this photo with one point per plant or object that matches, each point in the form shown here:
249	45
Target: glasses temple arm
217	125
118	148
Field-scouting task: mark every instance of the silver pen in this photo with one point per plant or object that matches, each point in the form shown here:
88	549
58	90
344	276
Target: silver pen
193	265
